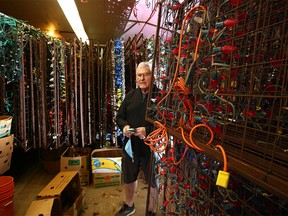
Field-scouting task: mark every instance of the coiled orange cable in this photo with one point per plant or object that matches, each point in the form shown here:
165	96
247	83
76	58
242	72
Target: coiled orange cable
224	157
179	57
158	139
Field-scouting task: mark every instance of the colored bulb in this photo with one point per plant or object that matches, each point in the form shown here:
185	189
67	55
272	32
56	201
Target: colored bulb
242	16
233	74
176	6
213	31
225	49
235	2
169	40
206	60
175	51
227	23
230	22
182	70
214	84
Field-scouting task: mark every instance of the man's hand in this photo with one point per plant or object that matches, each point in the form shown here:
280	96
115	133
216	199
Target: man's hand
140	132
127	132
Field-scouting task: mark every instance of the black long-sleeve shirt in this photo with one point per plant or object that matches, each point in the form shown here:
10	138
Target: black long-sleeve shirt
132	112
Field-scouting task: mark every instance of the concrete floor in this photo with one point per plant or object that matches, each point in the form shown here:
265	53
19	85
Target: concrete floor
104	201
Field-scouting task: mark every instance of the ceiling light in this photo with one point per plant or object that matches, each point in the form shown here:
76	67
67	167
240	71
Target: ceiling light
51	33
72	15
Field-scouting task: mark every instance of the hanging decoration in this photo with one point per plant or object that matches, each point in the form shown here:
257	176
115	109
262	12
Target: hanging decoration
119	72
119	80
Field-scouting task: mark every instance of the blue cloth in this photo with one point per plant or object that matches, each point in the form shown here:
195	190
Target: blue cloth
128	148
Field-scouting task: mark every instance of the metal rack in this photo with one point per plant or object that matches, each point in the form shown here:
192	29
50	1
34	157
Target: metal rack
225	66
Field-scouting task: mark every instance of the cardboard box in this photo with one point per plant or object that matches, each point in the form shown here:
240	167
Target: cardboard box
84	178
106	167
5	125
103	179
6	145
107	152
66	186
106	164
78	206
106	159
52	206
75	159
45	207
5	163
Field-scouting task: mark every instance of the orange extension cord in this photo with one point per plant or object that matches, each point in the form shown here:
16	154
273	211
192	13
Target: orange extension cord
158	139
224	157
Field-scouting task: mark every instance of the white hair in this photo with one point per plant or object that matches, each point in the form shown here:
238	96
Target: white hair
145	65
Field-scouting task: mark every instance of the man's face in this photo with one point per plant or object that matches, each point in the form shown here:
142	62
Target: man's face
143	78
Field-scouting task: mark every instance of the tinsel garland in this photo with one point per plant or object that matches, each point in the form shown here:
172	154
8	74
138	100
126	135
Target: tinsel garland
119	72
119	75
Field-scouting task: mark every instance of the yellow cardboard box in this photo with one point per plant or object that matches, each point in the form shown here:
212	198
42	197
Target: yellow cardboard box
105	179
67	187
77	159
106	167
45	207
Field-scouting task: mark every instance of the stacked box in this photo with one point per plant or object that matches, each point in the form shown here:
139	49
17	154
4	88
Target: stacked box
5	125
45	207
6	149
77	159
66	187
6	143
106	167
